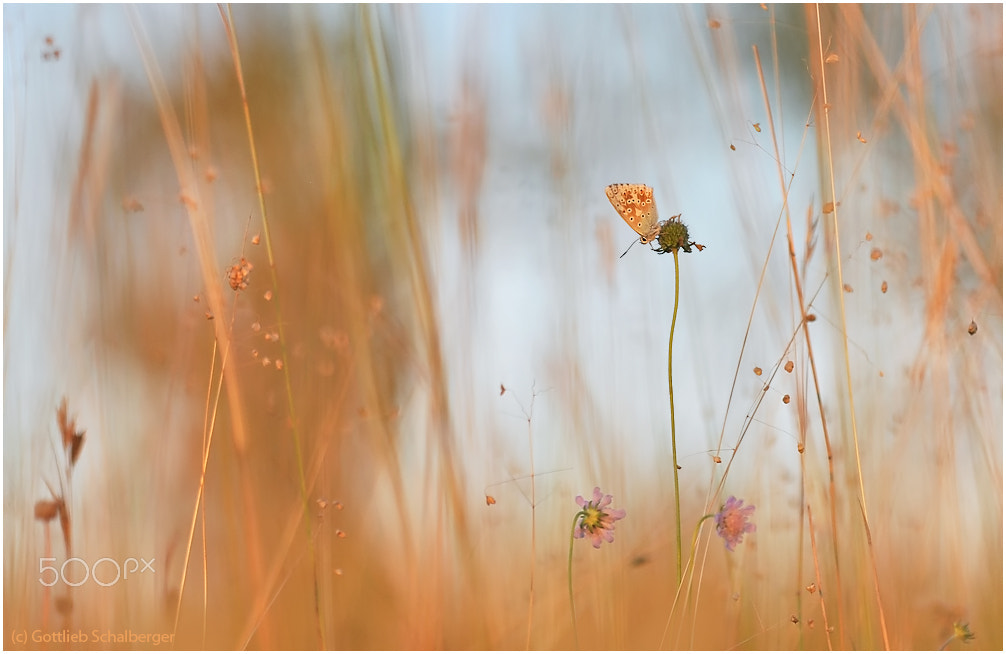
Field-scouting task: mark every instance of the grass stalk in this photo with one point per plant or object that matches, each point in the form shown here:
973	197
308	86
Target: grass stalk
228	22
804	308
839	285
199	223
534	528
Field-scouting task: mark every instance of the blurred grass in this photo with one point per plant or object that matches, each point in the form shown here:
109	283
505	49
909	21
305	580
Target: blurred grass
360	178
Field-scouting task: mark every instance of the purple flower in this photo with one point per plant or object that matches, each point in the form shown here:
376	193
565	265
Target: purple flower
597	521
732	522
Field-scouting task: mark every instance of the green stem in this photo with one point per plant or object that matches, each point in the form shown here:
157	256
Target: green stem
674	441
572	609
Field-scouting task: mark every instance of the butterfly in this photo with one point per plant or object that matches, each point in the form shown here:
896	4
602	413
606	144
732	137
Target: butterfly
634	203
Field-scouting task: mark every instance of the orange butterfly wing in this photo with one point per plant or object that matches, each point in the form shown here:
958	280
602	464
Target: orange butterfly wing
635	204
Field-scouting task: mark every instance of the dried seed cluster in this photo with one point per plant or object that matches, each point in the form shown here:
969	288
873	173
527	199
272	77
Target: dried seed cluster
238	274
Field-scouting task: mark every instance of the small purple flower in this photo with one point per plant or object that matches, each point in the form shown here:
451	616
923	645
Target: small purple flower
732	522
598	521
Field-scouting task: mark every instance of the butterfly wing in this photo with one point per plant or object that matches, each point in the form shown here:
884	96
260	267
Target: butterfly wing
635	204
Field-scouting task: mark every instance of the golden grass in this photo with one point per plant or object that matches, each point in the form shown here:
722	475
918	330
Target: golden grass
306	449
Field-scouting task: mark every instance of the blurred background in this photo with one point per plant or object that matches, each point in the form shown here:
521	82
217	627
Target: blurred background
404	359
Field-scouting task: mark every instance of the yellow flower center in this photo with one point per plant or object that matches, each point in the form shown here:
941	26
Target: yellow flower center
592	519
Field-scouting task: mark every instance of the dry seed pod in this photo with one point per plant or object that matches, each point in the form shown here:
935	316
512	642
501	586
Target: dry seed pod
46	510
237	275
64	604
76	446
73	440
66	427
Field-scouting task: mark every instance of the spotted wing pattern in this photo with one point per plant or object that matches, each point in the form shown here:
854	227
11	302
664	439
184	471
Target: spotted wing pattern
634	203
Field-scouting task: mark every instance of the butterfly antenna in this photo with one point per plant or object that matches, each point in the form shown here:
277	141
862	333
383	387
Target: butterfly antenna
628	248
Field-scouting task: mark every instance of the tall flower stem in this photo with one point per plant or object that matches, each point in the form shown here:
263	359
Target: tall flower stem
674	441
594	521
572	609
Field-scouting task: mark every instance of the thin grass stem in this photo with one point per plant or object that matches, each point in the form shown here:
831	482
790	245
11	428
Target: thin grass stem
798	287
830	173
228	21
534	533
